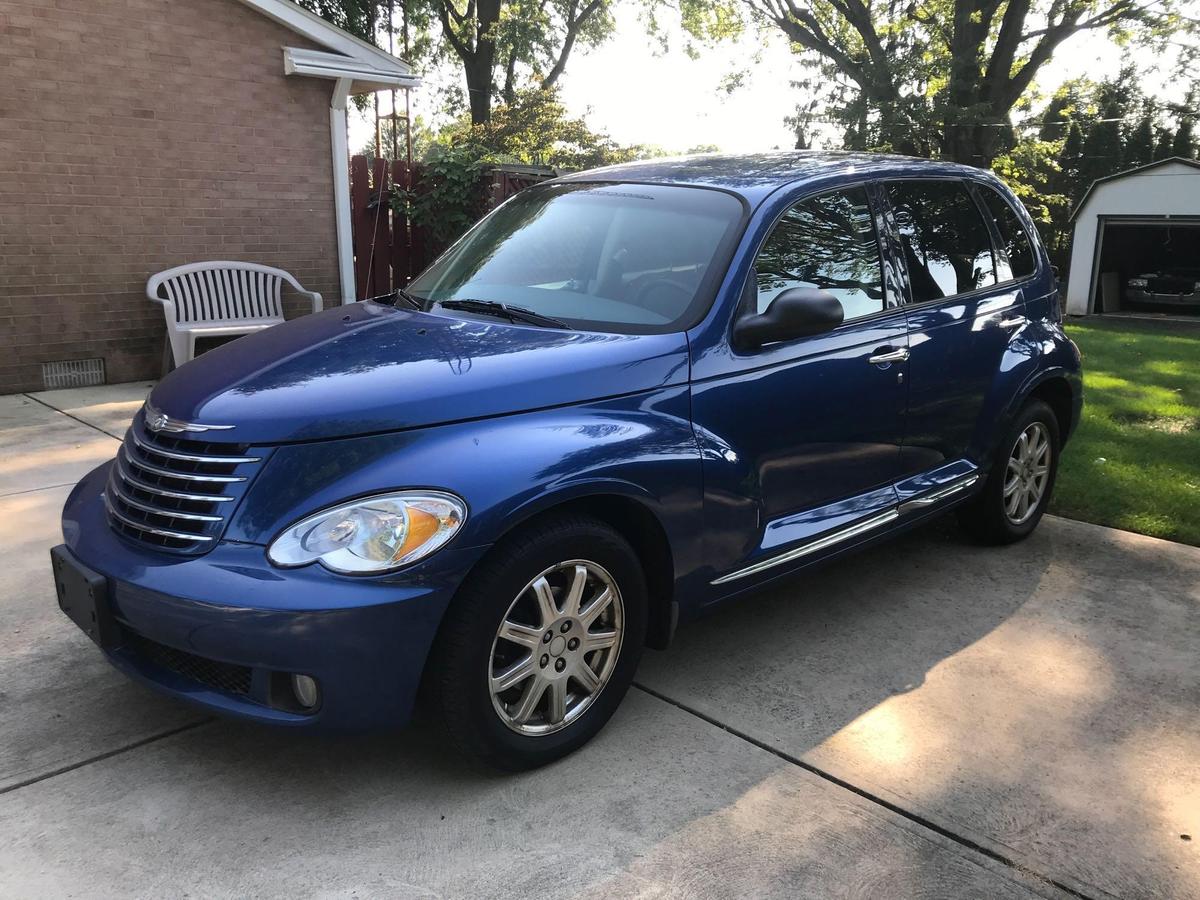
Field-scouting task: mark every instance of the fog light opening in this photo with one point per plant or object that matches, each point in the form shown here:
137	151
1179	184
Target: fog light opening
308	695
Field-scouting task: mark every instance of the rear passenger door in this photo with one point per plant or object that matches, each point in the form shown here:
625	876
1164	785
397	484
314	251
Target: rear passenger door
964	309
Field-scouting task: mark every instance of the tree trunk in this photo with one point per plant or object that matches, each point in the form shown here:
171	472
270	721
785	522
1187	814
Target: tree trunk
961	133
478	70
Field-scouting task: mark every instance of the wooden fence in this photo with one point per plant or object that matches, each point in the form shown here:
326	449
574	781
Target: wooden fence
390	250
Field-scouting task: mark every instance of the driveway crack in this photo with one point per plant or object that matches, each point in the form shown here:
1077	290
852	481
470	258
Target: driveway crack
108	754
63	412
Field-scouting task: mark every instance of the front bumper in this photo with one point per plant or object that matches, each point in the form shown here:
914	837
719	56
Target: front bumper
365	640
1138	295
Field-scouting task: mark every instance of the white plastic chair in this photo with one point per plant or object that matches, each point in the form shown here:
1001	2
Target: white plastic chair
218	299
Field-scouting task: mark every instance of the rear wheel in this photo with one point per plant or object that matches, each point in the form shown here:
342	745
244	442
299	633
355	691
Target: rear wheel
1020	482
541	643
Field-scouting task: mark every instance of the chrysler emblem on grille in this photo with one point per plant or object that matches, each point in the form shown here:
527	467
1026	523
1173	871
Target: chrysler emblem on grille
157	420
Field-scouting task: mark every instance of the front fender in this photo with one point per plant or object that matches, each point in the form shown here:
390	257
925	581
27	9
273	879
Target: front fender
506	468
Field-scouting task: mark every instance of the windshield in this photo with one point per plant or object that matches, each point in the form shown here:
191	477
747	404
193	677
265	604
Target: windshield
617	257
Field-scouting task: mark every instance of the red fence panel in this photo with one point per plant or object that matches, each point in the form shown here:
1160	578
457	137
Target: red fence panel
380	259
360	222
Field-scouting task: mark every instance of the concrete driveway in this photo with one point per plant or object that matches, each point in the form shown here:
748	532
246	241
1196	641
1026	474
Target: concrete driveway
932	719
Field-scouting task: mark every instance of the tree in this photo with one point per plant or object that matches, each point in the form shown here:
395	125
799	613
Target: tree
524	42
1064	108
1164	149
1184	143
359	17
1070	163
1139	146
536	130
530	39
1102	146
942	77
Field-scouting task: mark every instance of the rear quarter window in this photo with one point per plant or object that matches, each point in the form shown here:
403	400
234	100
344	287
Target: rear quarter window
947	245
1014	240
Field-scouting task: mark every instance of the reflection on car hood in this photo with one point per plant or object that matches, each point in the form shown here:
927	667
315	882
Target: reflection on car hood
368	368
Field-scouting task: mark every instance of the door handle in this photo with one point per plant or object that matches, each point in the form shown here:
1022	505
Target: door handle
885	355
1013	322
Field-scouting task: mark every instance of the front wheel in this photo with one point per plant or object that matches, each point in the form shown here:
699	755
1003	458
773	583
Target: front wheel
541	643
1020	482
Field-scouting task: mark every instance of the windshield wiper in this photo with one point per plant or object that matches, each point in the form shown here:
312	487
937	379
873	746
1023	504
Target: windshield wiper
512	313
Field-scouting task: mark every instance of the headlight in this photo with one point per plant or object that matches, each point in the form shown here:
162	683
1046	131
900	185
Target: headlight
373	534
1137	282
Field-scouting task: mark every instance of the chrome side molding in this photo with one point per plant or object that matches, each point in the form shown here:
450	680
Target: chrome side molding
925	500
852	530
834	537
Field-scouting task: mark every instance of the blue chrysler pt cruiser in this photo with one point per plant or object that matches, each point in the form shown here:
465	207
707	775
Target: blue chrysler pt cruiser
624	397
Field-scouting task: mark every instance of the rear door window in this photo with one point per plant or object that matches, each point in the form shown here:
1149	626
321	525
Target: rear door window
946	243
826	242
1015	249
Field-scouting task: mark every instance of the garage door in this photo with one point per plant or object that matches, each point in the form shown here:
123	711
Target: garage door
1150	265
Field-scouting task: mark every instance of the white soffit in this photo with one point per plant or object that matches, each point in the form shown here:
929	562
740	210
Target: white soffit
369	67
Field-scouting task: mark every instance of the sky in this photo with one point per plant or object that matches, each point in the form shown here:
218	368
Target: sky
629	88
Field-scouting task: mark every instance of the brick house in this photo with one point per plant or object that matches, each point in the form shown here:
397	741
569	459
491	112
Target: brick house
136	135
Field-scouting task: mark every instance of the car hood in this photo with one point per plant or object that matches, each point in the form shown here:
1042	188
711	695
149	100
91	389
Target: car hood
367	368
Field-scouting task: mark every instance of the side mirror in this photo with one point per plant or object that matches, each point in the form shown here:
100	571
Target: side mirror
797	312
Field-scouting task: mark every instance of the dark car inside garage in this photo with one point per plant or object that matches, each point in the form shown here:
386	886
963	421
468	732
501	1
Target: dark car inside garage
1149	265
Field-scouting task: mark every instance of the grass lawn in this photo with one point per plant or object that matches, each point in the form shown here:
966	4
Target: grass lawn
1134	461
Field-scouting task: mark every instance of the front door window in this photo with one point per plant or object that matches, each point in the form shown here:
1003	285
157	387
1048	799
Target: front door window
825	242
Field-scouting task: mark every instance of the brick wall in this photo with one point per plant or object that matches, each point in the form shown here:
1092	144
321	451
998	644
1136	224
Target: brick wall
136	135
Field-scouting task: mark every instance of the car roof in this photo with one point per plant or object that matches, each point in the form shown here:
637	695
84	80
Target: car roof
755	175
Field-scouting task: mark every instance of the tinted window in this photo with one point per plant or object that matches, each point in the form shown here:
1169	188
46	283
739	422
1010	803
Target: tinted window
1014	242
946	243
825	242
617	257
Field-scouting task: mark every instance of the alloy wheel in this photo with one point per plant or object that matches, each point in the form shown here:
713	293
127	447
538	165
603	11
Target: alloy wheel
556	647
1027	473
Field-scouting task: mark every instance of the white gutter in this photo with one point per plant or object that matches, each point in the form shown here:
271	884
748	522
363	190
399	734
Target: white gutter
339	139
366	75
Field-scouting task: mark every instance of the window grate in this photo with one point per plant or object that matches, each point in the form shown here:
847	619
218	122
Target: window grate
68	373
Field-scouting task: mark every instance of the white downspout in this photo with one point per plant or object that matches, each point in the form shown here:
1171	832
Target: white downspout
340	141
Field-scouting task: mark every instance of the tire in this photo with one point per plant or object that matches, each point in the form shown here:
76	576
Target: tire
470	654
990	518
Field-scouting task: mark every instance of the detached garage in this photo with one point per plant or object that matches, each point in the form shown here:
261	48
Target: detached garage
1137	242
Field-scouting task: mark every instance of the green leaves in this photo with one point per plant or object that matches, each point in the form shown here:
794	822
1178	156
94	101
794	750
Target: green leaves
534	130
446	198
936	77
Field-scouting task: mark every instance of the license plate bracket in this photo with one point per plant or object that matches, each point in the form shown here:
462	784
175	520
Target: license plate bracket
83	596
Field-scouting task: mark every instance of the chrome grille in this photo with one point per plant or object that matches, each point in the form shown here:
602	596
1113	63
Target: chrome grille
175	493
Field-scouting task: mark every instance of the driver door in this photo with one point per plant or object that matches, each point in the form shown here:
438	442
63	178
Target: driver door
812	427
